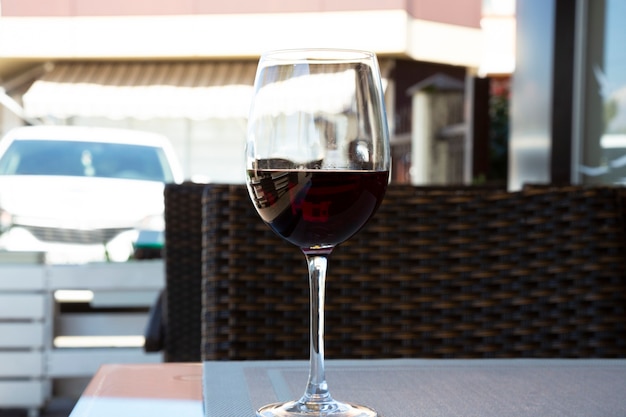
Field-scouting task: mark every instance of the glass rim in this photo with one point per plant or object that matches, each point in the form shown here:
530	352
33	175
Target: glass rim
322	55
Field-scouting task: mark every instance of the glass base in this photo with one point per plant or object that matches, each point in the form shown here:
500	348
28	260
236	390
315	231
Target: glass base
330	409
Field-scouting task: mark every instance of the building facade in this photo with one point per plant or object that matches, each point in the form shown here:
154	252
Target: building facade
568	97
186	68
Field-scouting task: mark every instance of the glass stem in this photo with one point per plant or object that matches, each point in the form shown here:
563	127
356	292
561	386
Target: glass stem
317	394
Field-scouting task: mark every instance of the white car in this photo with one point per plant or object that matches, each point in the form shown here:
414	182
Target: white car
82	194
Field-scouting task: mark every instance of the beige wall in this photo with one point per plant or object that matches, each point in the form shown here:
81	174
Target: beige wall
456	12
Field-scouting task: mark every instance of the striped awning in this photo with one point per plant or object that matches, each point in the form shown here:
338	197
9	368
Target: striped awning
143	90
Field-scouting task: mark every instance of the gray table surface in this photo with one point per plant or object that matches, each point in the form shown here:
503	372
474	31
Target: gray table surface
421	387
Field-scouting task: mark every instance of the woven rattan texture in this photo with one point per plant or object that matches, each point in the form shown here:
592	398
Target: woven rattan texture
183	257
436	273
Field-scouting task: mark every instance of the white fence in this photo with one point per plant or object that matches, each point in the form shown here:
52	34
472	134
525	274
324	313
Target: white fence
39	342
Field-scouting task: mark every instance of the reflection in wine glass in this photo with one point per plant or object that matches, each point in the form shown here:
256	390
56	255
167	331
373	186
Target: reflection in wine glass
317	161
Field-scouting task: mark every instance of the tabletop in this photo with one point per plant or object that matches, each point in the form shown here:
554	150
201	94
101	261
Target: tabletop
395	387
157	389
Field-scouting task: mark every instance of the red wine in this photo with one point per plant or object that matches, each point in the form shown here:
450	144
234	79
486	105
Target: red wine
316	209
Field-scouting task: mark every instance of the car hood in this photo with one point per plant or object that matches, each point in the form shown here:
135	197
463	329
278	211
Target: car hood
79	202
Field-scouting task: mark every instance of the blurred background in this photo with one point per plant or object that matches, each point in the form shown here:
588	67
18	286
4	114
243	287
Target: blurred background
493	91
185	70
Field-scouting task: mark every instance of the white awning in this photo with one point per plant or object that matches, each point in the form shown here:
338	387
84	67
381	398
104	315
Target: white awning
143	90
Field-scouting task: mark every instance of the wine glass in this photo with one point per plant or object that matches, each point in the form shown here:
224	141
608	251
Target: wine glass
317	162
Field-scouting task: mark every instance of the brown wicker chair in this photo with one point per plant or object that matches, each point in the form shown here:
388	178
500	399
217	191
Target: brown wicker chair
436	273
174	325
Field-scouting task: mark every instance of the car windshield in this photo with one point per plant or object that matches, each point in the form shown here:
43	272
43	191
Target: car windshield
85	159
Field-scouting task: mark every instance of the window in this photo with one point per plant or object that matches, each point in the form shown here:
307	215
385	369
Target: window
602	97
85	159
